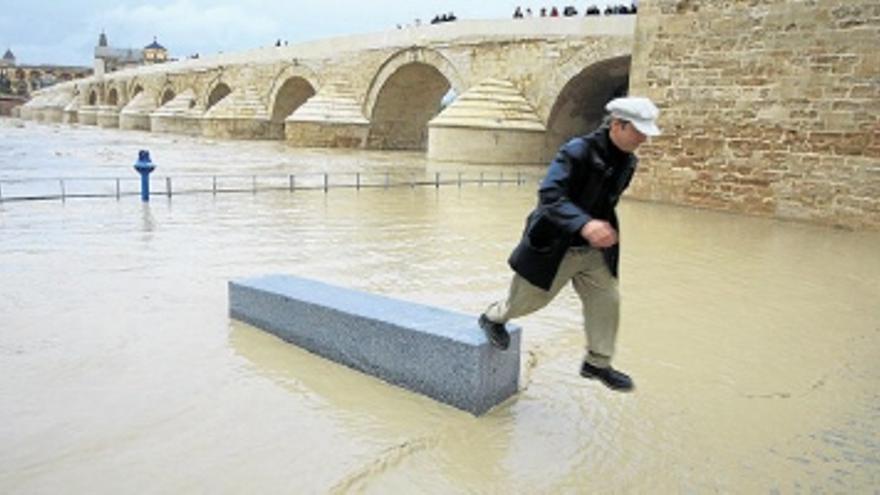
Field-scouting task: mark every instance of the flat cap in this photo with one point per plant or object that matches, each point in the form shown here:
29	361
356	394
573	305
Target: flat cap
636	109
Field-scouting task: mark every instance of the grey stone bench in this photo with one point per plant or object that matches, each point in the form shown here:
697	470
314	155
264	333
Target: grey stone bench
438	353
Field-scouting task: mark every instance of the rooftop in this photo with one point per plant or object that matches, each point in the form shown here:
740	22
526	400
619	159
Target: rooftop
154	45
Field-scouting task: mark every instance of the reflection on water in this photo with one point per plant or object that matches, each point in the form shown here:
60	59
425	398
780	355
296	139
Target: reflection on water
148	224
753	343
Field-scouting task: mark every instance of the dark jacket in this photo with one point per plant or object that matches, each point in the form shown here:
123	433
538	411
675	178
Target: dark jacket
584	181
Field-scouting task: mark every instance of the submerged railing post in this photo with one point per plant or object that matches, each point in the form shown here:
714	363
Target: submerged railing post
326	182
481	179
254	184
387	180
214	185
63	191
117	190
436	180
144	167
358	181
292	182
168	186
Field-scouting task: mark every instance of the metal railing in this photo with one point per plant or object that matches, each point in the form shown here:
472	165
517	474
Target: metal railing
42	189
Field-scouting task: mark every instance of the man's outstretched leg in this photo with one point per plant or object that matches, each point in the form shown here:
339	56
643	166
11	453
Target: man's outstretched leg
524	298
601	310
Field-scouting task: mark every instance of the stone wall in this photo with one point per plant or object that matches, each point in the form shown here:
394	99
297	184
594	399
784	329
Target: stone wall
768	107
7	104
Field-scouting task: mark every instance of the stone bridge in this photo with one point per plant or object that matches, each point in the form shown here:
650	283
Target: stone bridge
768	107
507	91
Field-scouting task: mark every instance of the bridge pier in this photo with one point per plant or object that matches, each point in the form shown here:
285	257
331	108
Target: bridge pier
50	108
53	114
175	124
240	128
332	118
70	113
486	146
107	117
88	115
326	134
181	115
241	114
490	123
136	114
134	120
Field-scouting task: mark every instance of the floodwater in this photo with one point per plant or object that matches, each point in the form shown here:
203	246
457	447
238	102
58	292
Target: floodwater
754	342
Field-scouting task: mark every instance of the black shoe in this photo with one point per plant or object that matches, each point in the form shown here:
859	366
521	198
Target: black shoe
613	379
495	332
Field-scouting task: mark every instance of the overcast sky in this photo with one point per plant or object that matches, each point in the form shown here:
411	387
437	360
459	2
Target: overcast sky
65	32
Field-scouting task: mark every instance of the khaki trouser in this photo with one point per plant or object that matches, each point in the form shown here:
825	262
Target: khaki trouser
599	297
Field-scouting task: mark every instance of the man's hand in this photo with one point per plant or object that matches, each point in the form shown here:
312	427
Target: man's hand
599	233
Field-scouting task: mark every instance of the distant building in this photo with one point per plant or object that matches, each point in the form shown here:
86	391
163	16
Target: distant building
154	53
21	80
8	59
109	59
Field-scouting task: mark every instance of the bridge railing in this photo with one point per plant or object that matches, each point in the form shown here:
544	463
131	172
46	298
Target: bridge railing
36	189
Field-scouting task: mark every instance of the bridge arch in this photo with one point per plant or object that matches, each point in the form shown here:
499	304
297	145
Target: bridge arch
133	87
580	103
168	93
219	91
292	87
406	93
113	97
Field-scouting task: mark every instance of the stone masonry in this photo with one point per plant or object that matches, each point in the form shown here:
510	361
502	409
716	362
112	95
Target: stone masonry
769	107
377	91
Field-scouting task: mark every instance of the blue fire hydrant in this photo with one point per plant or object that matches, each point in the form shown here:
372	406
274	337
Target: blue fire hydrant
144	166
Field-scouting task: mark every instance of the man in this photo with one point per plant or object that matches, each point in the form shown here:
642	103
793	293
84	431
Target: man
572	235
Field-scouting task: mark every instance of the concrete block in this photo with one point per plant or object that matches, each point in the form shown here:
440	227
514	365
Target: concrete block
439	353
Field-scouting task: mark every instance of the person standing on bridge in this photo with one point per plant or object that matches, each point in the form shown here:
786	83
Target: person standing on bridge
572	235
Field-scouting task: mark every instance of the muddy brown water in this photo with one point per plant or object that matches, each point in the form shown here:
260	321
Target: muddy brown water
754	342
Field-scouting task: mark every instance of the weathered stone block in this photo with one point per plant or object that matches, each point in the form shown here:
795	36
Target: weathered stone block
243	128
107	117
803	81
53	114
88	116
486	146
429	350
176	124
329	135
134	121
